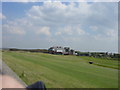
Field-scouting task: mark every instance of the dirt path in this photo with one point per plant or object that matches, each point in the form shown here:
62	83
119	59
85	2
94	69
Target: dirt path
7	70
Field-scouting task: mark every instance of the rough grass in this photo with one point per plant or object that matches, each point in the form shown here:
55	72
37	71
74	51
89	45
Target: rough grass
59	71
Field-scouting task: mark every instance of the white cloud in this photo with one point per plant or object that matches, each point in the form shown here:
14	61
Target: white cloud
80	31
70	30
76	23
2	16
61	0
58	33
108	35
13	30
105	0
67	18
17	30
44	30
94	28
112	33
23	1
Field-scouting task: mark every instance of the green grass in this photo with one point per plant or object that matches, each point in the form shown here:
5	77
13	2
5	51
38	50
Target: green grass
59	71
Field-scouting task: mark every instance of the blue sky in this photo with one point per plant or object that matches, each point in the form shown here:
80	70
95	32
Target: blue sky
81	26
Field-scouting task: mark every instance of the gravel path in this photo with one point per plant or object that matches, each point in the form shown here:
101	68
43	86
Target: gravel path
6	70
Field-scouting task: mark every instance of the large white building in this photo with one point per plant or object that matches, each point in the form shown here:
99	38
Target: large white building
60	50
56	50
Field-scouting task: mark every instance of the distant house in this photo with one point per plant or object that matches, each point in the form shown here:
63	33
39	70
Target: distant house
61	50
72	52
67	50
78	53
56	50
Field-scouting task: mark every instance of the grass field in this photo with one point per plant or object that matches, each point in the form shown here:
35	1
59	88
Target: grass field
59	71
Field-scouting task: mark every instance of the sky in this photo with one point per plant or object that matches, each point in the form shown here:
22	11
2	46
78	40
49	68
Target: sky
79	25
